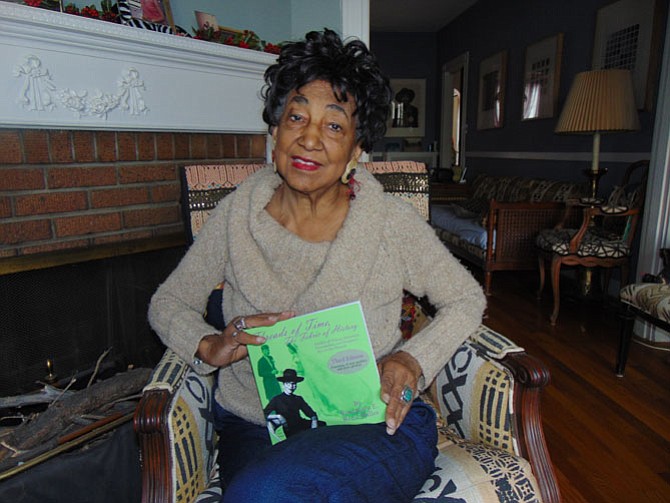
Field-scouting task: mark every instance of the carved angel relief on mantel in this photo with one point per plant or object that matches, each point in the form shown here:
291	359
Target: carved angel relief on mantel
71	72
40	93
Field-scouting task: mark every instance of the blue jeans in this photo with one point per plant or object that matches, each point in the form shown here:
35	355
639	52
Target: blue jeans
335	464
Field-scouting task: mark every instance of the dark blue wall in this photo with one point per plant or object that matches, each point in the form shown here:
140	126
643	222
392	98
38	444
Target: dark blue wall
411	56
489	27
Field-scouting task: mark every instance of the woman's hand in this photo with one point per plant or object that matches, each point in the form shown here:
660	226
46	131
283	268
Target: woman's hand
398	371
220	350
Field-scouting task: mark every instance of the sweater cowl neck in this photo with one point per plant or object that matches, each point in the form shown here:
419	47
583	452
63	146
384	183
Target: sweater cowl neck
290	272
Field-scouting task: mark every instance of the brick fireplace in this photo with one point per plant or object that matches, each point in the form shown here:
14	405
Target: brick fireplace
95	120
90	224
68	190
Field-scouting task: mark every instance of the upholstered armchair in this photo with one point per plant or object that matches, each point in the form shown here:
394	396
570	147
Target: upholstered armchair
491	443
648	301
604	239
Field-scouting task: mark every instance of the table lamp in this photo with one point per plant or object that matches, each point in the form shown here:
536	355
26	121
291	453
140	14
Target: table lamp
599	101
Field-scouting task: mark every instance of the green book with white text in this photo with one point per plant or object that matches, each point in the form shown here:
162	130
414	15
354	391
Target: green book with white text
317	370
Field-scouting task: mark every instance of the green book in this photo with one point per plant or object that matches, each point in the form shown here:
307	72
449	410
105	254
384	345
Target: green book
317	370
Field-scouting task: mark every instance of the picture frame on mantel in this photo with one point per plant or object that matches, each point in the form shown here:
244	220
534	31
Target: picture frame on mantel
408	109
627	37
491	104
155	15
541	78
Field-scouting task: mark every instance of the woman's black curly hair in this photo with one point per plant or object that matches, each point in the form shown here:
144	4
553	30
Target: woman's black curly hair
350	68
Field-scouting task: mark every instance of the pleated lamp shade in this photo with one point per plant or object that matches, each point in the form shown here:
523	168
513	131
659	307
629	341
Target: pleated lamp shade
600	101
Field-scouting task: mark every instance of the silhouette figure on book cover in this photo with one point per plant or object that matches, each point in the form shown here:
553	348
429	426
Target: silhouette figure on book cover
268	372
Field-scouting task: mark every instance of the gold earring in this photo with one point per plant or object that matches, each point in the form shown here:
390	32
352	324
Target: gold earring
349	171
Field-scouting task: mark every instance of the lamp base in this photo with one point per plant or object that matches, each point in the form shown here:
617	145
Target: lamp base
594	177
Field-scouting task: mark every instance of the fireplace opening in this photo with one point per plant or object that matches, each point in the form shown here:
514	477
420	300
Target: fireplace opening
72	314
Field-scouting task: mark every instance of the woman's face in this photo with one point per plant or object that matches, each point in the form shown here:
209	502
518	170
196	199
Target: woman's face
289	387
315	138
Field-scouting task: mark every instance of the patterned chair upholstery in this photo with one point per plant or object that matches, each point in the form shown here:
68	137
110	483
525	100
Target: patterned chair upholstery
405	179
649	301
491	446
604	239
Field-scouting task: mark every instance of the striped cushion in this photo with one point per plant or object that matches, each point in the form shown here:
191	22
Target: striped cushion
652	298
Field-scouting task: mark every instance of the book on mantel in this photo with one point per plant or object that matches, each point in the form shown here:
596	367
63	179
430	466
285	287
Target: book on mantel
317	370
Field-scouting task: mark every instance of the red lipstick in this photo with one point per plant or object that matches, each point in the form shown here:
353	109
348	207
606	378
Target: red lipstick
304	164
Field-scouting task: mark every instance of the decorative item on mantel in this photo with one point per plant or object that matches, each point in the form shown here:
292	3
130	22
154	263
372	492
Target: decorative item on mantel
107	11
599	101
39	93
245	39
210	31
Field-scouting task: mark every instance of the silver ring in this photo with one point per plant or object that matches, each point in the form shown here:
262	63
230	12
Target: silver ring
235	334
406	395
240	324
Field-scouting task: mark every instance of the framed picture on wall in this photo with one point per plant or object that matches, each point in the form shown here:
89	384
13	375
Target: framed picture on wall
491	104
626	37
541	78
408	108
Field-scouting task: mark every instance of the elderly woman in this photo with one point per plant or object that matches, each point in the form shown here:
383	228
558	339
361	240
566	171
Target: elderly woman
304	235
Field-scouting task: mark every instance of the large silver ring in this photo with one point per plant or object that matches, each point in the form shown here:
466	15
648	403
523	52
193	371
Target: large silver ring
406	395
240	324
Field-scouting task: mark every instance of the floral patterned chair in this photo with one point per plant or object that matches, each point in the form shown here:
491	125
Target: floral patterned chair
491	446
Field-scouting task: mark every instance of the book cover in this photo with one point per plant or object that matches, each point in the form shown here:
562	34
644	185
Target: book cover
317	370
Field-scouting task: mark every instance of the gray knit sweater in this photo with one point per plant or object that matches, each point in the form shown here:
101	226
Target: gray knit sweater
383	247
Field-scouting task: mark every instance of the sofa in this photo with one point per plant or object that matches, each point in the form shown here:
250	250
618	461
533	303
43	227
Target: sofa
492	222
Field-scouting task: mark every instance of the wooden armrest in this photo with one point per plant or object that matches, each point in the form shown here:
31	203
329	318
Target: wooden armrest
490	368
530	377
589	213
174	430
152	424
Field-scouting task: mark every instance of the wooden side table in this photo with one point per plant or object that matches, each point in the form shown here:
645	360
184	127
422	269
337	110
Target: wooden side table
445	192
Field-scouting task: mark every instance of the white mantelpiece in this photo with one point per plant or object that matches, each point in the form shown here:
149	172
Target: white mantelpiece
64	71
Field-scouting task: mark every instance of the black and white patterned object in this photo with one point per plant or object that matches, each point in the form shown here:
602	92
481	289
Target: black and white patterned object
470	472
593	244
509	474
125	16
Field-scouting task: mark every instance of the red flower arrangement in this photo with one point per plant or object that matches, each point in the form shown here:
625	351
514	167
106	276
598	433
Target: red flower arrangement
272	48
90	11
107	7
246	39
